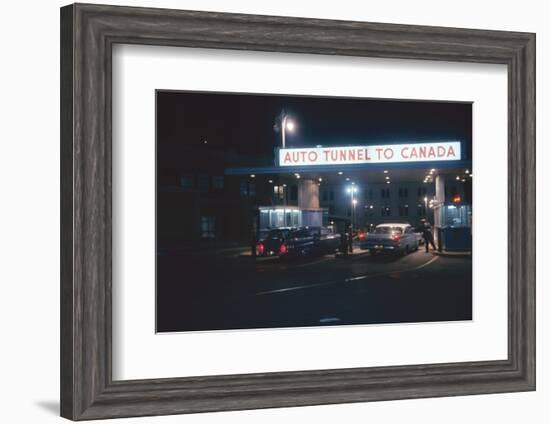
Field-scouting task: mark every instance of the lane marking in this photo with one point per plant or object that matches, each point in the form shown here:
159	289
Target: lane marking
346	280
329	320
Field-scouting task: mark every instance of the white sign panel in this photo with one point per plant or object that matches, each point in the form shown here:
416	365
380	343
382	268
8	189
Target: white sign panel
389	153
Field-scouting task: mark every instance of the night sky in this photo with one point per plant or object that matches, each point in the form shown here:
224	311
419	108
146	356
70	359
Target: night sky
243	123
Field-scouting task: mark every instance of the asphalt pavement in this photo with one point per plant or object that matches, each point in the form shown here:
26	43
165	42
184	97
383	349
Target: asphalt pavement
229	290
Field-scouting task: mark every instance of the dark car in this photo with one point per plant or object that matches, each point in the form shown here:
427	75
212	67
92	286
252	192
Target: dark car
307	241
271	244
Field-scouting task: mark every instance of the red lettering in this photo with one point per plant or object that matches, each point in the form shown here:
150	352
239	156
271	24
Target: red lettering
360	156
440	151
388	153
367	157
422	151
451	152
404	153
378	151
287	158
414	153
431	152
312	156
351	155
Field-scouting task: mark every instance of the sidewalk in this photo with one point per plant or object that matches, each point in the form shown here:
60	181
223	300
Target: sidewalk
452	253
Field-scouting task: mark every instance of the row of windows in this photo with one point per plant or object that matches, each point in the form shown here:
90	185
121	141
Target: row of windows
385	193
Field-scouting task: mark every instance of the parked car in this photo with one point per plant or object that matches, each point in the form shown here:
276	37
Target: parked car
271	244
398	238
307	241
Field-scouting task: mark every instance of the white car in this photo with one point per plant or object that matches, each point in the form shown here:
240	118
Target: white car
397	238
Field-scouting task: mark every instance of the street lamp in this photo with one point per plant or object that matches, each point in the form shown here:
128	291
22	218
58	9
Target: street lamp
351	191
286	124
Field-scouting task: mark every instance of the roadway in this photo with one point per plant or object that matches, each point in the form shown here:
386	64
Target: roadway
228	290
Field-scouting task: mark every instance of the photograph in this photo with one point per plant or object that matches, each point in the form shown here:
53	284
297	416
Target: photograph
286	211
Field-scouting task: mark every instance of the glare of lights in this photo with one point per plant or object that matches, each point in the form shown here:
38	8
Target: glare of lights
463	180
270	181
387	178
348	190
425	199
470	175
354	201
284	185
340	172
320	179
387	182
252	176
385	171
353	183
467	171
347	178
432	170
297	176
290	125
457	178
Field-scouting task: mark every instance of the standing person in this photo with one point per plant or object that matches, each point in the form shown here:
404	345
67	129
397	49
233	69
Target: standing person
350	239
428	235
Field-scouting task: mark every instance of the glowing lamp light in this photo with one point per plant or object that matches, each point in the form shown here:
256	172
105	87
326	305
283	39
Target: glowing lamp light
456	198
290	125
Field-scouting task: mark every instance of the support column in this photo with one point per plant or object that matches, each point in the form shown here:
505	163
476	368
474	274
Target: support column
308	194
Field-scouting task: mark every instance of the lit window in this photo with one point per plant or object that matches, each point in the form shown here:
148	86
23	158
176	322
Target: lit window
208	227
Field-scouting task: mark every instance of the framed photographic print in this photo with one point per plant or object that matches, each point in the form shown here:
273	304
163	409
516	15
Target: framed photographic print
263	211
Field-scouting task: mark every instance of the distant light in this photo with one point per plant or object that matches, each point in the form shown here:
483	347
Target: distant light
387	178
425	199
347	178
353	183
284	185
340	172
270	181
205	142
372	206
467	172
463	180
290	125
348	190
387	182
252	176
354	201
297	175
320	179
432	170
457	178
471	175
385	171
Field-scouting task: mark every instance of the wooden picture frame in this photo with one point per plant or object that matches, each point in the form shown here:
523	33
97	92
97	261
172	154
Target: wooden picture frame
88	33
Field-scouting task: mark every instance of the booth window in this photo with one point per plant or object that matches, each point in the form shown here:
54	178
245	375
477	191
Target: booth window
208	227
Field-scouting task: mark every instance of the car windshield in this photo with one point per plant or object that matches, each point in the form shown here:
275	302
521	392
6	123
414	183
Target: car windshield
277	234
388	230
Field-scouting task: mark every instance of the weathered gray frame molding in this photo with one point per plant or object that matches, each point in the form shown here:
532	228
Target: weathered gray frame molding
88	33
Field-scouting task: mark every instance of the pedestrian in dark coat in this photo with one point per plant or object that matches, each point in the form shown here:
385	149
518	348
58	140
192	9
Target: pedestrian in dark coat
428	235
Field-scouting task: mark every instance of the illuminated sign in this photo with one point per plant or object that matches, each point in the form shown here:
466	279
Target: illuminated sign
389	153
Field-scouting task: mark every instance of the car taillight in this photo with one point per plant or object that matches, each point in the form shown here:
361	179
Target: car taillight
261	249
362	236
283	249
396	237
